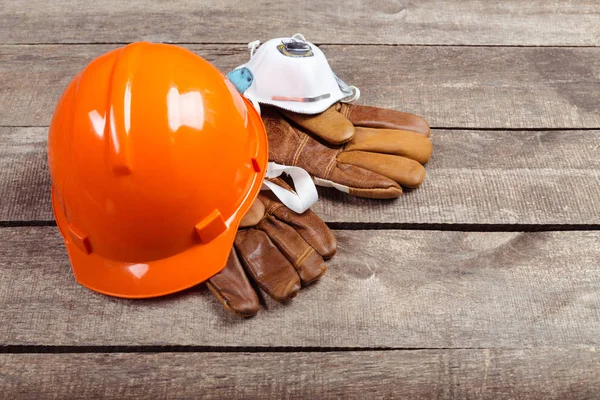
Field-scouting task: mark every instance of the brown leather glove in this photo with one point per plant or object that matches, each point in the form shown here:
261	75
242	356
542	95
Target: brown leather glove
276	249
364	151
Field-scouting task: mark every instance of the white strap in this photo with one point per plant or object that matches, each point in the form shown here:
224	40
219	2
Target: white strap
299	36
352	92
355	95
306	192
252	46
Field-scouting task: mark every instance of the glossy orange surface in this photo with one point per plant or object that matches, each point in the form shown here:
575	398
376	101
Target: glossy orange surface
154	158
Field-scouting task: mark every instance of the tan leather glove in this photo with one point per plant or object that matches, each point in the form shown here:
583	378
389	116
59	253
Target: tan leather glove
364	151
278	250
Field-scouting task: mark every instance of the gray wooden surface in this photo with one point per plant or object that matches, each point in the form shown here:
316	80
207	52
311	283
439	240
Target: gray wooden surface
420	374
451	86
402	289
465	22
455	296
551	178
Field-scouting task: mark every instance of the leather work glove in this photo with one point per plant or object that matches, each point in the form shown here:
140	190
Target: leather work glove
364	151
276	249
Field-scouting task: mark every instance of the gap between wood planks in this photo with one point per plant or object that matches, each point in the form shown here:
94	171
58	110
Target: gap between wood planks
46	349
364	226
316	43
433	128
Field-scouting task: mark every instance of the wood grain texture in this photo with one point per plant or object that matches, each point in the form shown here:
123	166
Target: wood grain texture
498	177
457	87
513	22
475	177
434	314
551	373
390	289
24	178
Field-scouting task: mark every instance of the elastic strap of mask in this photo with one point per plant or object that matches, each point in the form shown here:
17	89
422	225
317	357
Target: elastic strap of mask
352	92
305	194
252	46
299	36
354	96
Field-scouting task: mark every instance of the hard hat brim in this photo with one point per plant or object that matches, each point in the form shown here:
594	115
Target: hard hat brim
150	279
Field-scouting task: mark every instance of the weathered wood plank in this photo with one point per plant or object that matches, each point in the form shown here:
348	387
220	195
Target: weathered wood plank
24	177
468	22
551	373
459	87
548	177
399	289
475	177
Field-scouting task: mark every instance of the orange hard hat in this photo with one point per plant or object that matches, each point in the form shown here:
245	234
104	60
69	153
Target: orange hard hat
155	158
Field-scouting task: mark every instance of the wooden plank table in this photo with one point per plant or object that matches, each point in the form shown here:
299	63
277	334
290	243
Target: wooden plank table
483	283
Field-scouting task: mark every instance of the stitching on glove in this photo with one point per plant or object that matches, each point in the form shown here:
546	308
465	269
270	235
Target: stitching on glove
334	162
302	257
270	210
217	293
330	167
299	150
346	110
223	300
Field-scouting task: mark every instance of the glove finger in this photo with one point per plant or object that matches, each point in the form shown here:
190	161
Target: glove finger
374	117
329	125
308	224
289	146
233	289
311	228
266	265
302	256
254	214
403	170
390	141
360	182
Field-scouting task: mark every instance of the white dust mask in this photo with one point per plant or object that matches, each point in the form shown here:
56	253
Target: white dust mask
292	74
